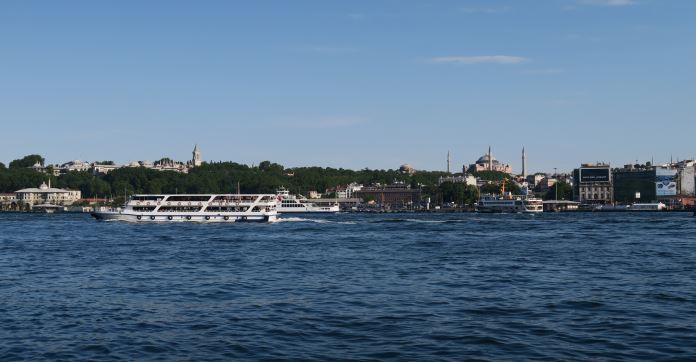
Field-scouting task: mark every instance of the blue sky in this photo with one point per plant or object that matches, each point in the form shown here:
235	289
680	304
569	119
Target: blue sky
349	84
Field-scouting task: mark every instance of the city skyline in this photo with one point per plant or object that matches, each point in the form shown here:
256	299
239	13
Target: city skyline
365	84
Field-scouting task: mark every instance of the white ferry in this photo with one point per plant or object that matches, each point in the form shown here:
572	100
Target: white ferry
194	207
508	203
298	204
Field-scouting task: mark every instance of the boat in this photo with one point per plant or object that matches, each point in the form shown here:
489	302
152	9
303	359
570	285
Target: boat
509	204
299	204
506	202
194	207
657	206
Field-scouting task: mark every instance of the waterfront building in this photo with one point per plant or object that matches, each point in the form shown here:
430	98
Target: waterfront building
8	201
45	194
398	195
488	162
592	184
634	183
686	180
469	180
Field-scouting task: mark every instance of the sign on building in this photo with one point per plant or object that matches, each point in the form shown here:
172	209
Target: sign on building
594	174
665	181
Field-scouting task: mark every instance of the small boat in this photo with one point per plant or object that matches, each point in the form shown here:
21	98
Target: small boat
194	207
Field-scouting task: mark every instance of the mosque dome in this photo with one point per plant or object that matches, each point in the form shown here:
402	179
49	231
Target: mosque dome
484	159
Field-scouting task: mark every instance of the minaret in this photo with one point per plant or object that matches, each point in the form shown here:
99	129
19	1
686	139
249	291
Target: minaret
196	156
448	162
524	163
490	159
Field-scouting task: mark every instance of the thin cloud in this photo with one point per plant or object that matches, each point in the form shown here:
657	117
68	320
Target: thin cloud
480	59
608	2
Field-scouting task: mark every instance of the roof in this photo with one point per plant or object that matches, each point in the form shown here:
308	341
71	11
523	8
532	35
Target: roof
38	190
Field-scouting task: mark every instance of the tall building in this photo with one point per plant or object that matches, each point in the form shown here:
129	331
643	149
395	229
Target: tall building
592	184
196	156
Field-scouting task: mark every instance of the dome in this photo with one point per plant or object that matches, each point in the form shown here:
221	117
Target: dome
484	159
43	186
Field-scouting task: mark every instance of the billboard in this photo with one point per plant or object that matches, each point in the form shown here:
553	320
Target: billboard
665	182
594	174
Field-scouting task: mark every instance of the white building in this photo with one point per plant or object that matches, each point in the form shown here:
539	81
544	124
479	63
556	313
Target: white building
469	180
45	194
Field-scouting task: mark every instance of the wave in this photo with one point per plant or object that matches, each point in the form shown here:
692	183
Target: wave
316	221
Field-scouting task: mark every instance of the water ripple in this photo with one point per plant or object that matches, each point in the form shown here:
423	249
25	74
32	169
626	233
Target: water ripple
350	286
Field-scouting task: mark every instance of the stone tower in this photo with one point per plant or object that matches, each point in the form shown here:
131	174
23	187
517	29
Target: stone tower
196	156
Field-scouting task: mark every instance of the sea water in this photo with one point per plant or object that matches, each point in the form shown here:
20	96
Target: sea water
571	286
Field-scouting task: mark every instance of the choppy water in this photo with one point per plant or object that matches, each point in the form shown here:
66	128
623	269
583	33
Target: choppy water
350	286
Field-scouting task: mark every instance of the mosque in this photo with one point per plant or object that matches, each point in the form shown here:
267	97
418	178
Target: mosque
487	162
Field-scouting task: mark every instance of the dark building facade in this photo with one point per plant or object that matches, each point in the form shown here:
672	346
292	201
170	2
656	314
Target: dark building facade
634	185
393	195
592	184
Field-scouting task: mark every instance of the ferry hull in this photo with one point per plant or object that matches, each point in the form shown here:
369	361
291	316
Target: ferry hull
491	210
312	210
159	218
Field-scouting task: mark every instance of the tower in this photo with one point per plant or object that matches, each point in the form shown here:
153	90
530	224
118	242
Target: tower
524	163
490	159
448	162
196	156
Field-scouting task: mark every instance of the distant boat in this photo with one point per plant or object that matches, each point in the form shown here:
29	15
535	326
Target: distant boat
194	207
294	204
506	202
509	204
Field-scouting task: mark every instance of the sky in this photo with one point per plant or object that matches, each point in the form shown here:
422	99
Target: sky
352	84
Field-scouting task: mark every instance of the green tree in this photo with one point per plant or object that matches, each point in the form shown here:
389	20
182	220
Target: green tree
459	193
27	161
2	166
565	191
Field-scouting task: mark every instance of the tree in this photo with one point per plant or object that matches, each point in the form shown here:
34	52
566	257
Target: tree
2	166
27	161
459	193
565	191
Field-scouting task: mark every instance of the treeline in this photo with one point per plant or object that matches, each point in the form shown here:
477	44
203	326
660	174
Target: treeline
226	177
